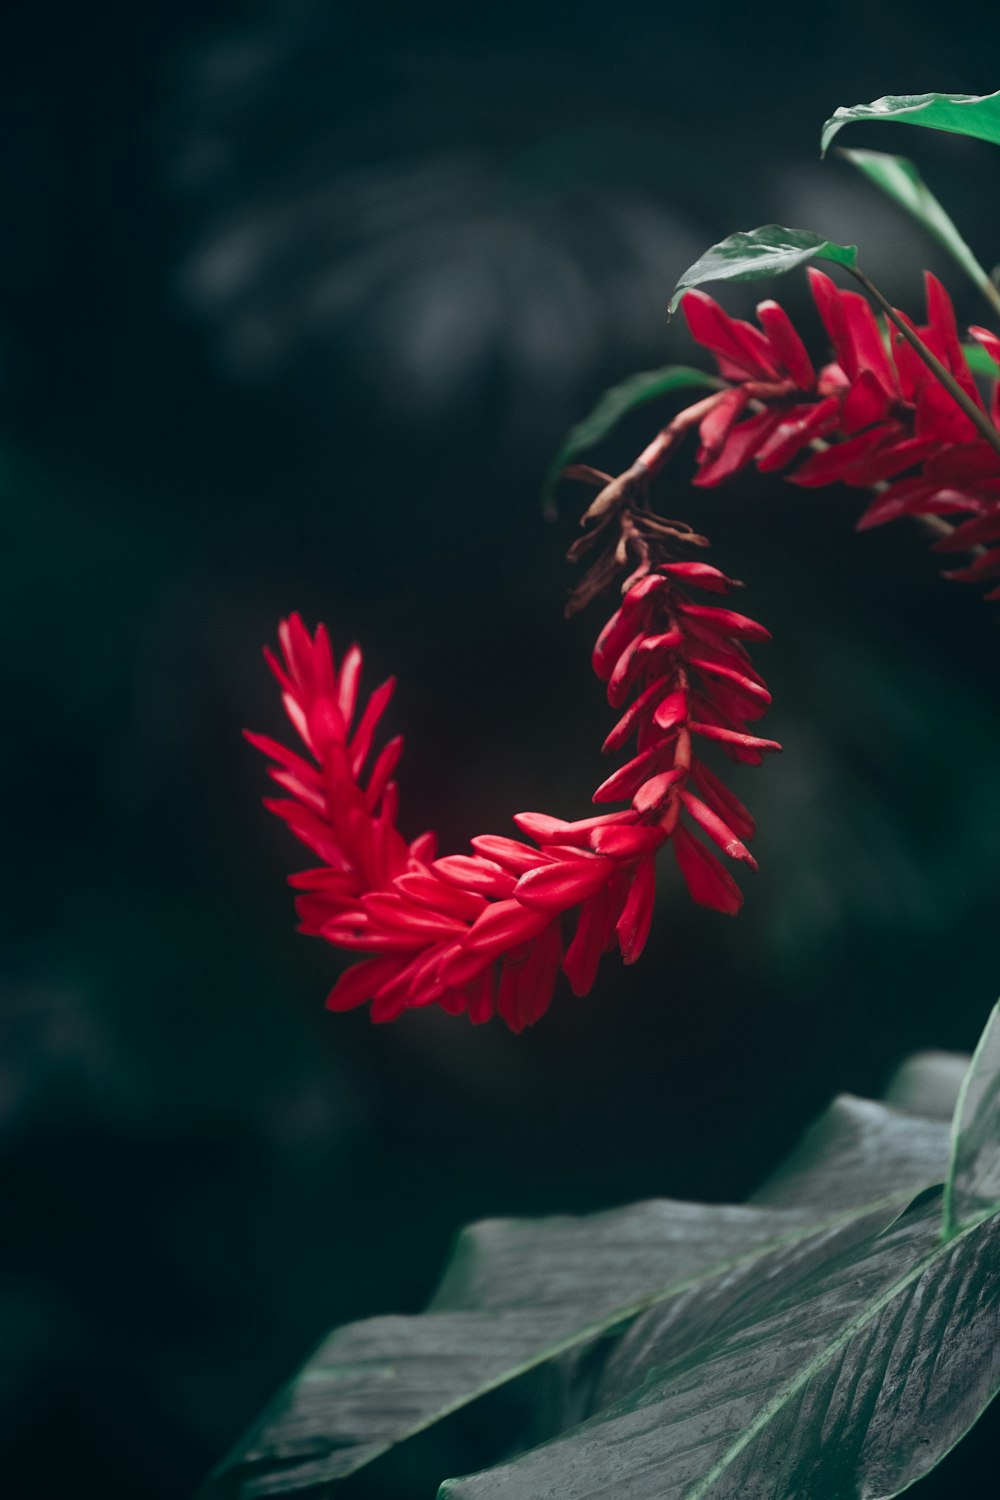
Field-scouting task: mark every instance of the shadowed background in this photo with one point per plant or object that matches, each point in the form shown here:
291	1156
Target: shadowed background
298	301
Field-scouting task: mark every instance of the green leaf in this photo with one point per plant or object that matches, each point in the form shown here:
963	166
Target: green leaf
979	362
613	405
977	115
752	255
900	180
516	1294
845	1364
972	1188
826	1296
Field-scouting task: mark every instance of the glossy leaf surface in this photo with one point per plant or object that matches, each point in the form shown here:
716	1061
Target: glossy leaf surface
755	254
827	1338
846	1364
977	115
517	1293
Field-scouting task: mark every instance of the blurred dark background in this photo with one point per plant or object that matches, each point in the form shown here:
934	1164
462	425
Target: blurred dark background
298	300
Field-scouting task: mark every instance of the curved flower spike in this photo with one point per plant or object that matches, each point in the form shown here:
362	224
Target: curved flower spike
484	933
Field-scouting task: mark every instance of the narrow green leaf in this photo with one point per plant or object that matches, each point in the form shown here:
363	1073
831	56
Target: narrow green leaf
979	362
817	1255
613	405
758	253
900	180
977	115
846	1364
972	1187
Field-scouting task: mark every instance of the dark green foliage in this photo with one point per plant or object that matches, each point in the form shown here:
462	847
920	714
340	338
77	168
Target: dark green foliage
962	114
758	253
835	1336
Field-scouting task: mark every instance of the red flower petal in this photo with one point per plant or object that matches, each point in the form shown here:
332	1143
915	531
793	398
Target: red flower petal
637	914
547	830
726	621
556	887
612	641
717	423
701	575
527	985
508	853
672	711
827	298
348	682
786	344
390	910
653	793
472	874
709	884
735	341
503	925
628	841
718	831
634	713
359	983
439	896
742	444
866	402
385	763
589	941
744	747
361	741
796	430
722	800
629	777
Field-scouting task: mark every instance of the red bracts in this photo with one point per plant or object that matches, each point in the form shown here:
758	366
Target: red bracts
490	931
875	417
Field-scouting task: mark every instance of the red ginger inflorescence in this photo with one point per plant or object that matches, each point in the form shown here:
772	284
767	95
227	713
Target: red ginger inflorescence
485	932
875	417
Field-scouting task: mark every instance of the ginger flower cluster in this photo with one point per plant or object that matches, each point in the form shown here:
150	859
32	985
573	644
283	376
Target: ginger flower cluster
489	932
875	417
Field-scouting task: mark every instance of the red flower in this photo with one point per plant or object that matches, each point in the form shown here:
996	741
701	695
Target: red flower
874	417
483	932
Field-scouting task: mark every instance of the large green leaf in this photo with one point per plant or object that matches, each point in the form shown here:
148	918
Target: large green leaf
516	1294
900	180
845	1364
648	385
963	114
828	1252
754	254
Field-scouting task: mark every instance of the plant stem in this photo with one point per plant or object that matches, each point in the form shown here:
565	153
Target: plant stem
974	413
